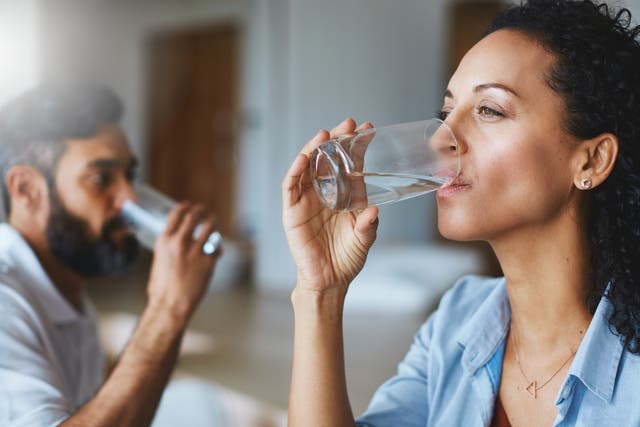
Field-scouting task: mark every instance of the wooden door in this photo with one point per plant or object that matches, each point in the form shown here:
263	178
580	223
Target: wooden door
192	97
468	19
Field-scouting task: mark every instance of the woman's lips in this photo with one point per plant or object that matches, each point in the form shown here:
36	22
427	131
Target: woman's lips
457	185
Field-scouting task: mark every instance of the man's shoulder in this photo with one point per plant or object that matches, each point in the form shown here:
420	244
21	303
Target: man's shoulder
18	305
13	298
14	294
20	324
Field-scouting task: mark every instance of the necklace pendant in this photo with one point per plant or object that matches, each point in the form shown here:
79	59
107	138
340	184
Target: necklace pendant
532	389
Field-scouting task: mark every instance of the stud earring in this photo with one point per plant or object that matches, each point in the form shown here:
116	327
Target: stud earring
585	183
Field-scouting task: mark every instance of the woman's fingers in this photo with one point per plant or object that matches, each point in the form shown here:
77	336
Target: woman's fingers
365	125
291	191
347	126
297	177
366	226
299	169
318	139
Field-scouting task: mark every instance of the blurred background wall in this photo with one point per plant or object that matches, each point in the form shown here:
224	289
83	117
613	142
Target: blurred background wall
273	71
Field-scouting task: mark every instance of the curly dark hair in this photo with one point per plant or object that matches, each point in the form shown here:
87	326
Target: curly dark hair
35	125
597	73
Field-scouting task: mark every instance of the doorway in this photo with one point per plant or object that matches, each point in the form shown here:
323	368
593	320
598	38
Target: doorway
468	19
192	104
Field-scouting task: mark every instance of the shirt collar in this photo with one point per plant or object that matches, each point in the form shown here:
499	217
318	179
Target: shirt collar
17	259
486	329
597	359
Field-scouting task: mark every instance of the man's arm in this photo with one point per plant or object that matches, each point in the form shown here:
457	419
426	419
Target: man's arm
131	394
178	280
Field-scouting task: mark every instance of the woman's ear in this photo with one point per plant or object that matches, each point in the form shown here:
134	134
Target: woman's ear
595	160
27	188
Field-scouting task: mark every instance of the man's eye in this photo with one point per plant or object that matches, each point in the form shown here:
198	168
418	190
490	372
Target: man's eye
102	179
442	115
488	112
131	175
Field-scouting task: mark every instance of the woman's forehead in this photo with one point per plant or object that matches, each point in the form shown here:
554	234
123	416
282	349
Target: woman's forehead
505	57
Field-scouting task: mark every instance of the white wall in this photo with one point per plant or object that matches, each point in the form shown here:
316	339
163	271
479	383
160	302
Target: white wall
634	7
19	49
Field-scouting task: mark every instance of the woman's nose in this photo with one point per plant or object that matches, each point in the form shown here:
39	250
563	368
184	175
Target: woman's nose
458	129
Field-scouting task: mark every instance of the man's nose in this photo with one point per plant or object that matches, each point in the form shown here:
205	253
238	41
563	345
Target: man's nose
125	192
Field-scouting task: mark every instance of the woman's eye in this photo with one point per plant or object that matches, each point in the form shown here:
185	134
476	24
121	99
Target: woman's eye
442	115
489	112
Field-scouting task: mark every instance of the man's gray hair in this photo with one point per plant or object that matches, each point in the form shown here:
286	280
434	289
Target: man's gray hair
35	125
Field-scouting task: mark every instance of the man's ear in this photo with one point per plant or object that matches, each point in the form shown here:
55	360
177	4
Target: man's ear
595	159
27	188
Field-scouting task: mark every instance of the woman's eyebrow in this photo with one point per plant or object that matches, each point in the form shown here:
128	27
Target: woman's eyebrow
485	86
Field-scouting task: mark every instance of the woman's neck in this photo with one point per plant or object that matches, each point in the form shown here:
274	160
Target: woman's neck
547	276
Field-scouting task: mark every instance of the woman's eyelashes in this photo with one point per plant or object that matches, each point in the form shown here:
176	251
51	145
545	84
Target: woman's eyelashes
484	111
488	112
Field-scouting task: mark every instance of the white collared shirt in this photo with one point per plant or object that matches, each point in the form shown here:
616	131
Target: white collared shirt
51	362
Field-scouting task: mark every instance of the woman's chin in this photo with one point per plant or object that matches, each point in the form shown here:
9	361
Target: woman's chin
453	230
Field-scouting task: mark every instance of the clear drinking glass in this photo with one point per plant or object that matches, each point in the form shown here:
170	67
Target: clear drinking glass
147	216
385	165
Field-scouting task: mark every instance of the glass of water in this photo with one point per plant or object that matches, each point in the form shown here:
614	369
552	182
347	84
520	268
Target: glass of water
147	216
385	165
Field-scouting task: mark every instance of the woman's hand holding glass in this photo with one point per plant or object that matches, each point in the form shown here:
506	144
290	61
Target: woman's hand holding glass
328	247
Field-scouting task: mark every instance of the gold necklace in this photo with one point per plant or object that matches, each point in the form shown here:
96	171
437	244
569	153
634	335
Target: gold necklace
533	386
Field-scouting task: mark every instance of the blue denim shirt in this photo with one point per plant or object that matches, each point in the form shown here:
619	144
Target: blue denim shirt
451	374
